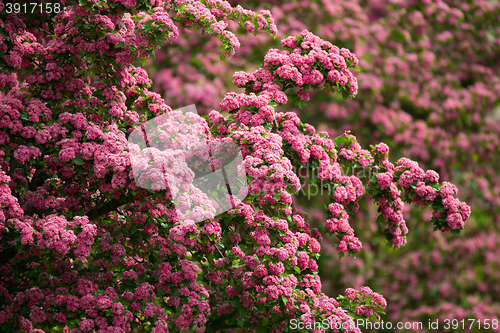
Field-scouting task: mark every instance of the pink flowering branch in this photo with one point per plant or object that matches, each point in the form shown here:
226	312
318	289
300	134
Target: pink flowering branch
269	166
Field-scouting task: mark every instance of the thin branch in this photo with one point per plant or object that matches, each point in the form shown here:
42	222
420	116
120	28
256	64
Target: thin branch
285	87
222	256
104	209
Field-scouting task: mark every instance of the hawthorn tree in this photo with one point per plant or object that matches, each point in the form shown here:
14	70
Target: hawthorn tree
86	248
428	87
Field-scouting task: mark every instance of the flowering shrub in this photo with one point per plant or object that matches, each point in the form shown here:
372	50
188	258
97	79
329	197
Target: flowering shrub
85	248
429	88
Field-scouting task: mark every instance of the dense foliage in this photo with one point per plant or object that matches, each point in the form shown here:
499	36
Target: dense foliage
86	248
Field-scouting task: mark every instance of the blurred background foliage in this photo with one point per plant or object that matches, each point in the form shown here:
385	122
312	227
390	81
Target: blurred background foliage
429	87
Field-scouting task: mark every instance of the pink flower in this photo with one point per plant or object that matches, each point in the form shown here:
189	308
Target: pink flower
455	221
86	325
447	190
104	302
384	179
382	148
117	308
432	176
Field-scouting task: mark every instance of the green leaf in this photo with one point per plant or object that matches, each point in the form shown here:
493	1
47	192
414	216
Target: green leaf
297	269
357	69
300	104
78	160
261	329
79	170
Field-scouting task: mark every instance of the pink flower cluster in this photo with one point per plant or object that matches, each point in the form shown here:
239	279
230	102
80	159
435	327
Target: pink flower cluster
9	206
56	233
213	17
423	189
368	299
339	224
419	187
